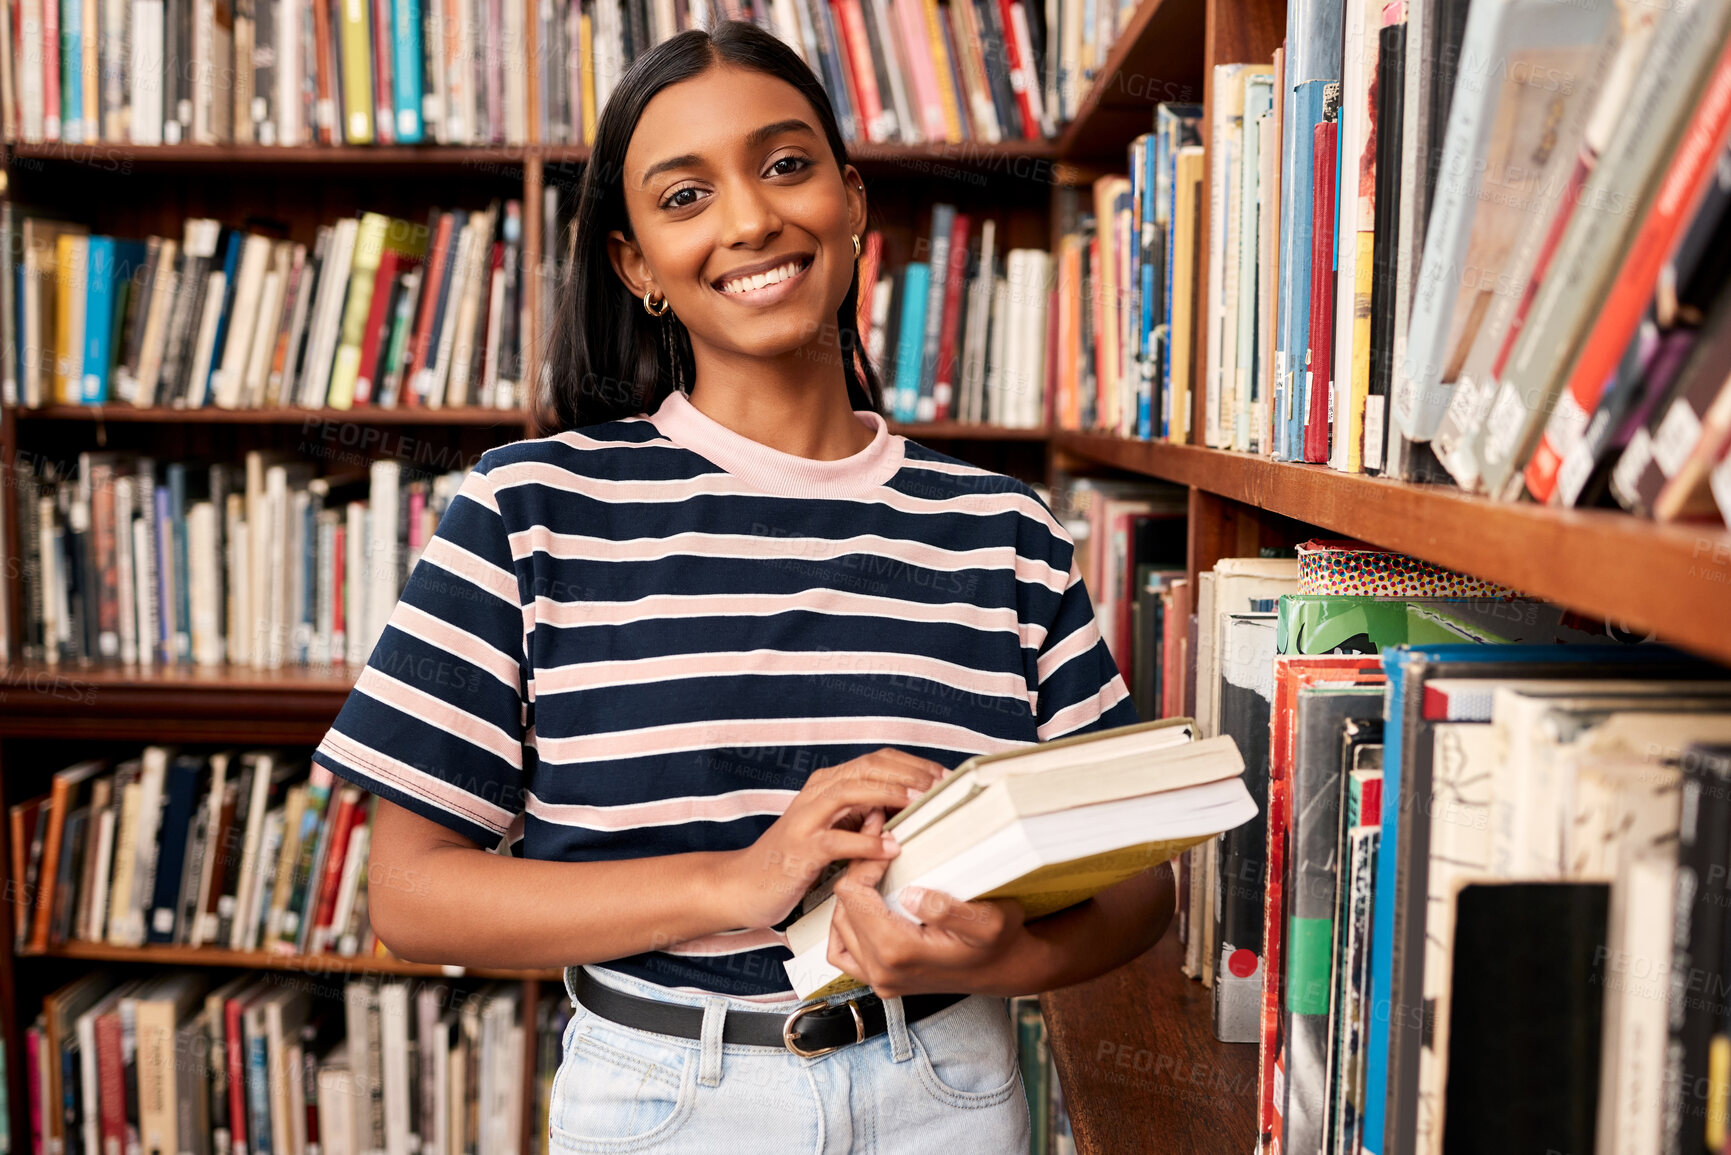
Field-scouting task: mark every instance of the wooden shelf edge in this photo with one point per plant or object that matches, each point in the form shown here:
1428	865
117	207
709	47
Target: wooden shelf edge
313	964
287	415
1671	580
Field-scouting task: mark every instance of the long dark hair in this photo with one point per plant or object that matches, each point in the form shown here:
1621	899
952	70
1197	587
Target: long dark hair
607	358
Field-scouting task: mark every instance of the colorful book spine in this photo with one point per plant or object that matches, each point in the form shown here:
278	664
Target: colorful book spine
406	73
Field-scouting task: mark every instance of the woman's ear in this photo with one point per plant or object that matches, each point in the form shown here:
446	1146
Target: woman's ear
856	199
628	263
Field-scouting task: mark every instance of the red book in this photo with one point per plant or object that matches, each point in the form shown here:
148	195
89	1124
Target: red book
955	277
1049	399
324	69
1018	68
870	258
389	264
349	815
234	1044
1319	362
384	122
110	1081
851	29
1692	167
339	574
416	357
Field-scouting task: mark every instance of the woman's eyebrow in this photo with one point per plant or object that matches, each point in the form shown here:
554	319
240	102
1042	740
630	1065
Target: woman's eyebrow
752	139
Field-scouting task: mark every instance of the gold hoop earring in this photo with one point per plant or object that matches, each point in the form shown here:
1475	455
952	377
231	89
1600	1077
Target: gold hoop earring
651	309
856	245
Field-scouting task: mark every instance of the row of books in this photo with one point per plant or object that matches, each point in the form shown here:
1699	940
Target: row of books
378	311
962	335
263	564
1464	824
1443	273
277	1065
270	72
902	71
246	851
1049	1130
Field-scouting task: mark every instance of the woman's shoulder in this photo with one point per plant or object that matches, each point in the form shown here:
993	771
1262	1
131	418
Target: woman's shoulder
593	450
934	476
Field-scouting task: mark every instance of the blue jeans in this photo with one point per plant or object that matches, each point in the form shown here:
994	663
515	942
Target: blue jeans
948	1085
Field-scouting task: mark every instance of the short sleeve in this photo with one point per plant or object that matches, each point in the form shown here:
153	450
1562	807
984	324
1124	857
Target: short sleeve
1080	688
435	722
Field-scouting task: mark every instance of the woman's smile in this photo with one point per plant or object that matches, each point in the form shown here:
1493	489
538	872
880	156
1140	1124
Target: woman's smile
757	289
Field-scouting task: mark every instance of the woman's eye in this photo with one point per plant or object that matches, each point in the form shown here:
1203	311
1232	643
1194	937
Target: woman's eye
798	162
673	201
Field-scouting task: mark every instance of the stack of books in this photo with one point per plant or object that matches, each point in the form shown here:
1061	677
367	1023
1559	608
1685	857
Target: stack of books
1049	826
1473	809
186	1062
1422	264
245	851
376	312
262	564
266	72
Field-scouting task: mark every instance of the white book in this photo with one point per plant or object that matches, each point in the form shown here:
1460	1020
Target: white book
152	774
495	321
356	586
337	1106
273	610
432	380
204	346
125	582
259	883
283	382
142	387
92	930
394	1050
287	129
516	79
433	97
1213	309
253	807
907	124
326	315
354	866
1632	1071
144	580
465	297
236	582
383	585
324	615
299	631
999	348
256	378
202	580
1039	307
204	920
145	71
125	857
33	113
229	378
1015	342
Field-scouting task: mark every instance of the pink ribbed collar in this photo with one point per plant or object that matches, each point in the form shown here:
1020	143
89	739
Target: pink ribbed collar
773	471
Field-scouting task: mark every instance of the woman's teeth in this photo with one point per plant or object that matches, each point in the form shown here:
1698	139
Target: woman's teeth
759	280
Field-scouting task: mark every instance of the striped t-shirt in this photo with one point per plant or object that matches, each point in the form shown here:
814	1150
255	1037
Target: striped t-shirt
640	638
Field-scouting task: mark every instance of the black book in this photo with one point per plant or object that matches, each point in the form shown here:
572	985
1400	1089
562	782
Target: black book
66	880
1697	945
1247	650
1524	1024
1391	102
1310	888
181	795
1145	634
231	847
29	491
892	333
997	61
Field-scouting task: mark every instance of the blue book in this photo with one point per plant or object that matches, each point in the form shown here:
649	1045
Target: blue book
932	323
112	265
1397	922
258	1124
181	793
1295	235
167	605
829	60
177	532
912	341
406	73
71	70
230	261
1176	125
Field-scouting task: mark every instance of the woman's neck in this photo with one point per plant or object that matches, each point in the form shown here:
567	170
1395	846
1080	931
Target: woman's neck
796	404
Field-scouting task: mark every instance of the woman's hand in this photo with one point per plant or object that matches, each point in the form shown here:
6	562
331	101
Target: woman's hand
824	823
962	947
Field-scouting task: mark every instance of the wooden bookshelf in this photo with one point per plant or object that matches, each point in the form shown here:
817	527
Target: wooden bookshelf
333	966
1158	57
288	415
1673	580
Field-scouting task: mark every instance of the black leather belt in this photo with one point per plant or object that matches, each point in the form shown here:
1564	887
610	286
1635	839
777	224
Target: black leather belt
811	1030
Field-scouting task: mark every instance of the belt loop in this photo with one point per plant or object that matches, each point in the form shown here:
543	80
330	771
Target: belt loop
709	1062
570	976
896	1026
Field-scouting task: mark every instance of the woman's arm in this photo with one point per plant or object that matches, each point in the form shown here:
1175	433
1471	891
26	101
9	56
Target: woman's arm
436	896
985	947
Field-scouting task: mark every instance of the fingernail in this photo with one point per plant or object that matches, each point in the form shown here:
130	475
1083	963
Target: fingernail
914	793
891	846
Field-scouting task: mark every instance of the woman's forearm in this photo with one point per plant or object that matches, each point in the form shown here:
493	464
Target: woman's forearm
1090	938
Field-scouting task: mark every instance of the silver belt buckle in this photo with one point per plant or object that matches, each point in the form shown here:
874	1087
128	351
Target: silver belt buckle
793	1020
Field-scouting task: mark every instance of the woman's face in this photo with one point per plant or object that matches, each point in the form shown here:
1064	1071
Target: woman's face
741	218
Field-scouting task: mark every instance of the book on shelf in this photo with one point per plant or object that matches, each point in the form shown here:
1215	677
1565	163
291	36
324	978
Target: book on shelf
1049	826
257	564
1435	269
232	850
184	1061
250	318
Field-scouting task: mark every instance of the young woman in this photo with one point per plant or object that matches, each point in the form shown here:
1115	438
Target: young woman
695	645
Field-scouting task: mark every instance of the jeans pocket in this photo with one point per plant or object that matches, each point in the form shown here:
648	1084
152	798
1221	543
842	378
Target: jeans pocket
966	1054
617	1090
